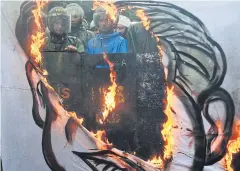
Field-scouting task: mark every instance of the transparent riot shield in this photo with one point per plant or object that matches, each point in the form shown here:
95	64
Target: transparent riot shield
121	94
133	124
64	75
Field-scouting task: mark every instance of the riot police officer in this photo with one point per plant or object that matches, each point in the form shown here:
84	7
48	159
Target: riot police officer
59	26
62	67
78	23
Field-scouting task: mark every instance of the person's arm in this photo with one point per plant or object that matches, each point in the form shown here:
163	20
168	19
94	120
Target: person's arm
75	45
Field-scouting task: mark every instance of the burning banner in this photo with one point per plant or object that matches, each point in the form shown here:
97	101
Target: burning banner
105	107
233	147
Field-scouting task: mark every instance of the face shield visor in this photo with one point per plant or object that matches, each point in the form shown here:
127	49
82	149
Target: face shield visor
59	23
76	13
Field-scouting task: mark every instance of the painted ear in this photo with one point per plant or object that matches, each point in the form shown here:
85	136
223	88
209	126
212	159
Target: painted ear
217	141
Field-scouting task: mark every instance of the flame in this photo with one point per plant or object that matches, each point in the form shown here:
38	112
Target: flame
233	146
157	161
109	96
144	18
44	72
38	36
74	116
108	6
45	82
38	40
146	23
167	126
101	135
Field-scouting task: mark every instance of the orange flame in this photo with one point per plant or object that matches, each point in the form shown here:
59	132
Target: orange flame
110	95
144	18
101	135
45	82
38	37
167	127
233	146
157	161
146	23
74	116
108	6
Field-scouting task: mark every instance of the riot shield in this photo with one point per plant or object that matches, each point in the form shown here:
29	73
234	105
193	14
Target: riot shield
83	82
64	75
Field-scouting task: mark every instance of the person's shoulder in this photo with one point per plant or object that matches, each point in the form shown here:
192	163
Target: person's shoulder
90	32
94	38
91	40
116	36
120	38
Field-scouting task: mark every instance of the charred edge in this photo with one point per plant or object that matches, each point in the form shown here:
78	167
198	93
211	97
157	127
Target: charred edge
48	153
90	156
35	108
70	130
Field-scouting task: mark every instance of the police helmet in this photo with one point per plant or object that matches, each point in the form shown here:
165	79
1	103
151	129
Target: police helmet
76	12
59	15
101	13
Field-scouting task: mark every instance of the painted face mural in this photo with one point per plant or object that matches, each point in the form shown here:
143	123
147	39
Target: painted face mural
107	102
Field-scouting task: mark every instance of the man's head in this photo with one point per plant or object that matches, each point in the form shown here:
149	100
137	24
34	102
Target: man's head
103	21
59	21
123	25
77	15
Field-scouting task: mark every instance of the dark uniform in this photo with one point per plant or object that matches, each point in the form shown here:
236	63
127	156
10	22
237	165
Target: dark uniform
59	27
83	35
62	59
61	65
53	44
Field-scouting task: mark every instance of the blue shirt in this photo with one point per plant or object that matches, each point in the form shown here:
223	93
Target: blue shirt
108	43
